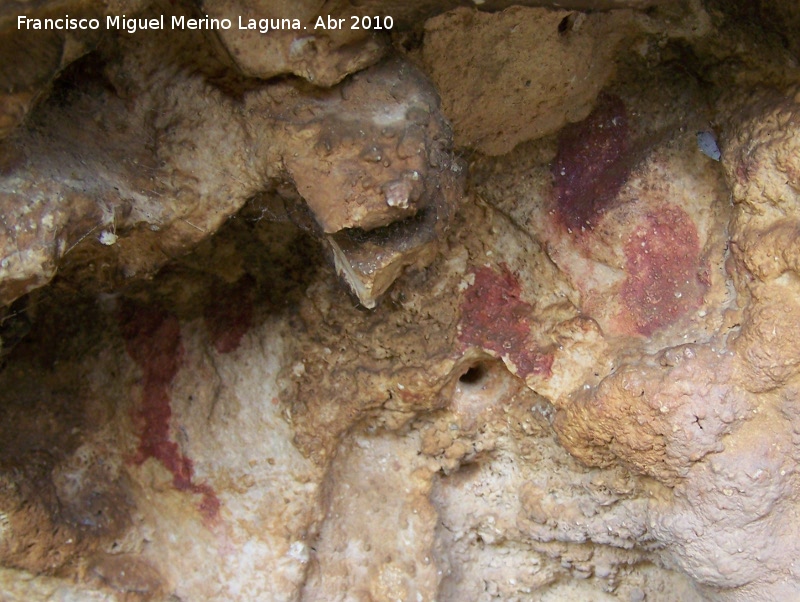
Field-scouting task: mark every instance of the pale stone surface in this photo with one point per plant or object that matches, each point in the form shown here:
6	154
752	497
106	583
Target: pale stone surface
579	380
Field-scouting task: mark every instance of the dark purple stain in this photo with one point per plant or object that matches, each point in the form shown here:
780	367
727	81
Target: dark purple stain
590	165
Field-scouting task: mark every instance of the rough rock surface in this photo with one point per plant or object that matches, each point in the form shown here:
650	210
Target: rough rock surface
368	317
263	45
186	133
490	70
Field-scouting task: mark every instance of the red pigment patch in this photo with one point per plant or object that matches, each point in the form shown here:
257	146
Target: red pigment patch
590	167
665	275
493	317
153	340
230	314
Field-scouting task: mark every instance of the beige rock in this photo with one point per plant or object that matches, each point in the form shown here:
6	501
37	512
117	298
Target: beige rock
657	418
580	382
312	39
476	60
371	152
160	174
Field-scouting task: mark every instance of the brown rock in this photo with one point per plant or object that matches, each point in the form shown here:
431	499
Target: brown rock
476	61
311	39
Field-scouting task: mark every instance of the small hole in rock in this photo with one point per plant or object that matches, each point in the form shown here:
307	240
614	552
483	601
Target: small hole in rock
475	375
566	24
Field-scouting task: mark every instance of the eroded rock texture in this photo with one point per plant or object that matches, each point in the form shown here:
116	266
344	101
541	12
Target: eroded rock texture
458	310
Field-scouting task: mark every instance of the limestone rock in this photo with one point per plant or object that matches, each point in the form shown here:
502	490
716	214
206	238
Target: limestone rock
195	144
557	88
570	368
312	39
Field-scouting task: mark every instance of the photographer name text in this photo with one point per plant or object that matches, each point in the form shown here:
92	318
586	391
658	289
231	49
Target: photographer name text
133	24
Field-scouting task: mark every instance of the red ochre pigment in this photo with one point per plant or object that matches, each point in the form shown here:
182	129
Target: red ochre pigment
591	164
493	317
153	340
664	270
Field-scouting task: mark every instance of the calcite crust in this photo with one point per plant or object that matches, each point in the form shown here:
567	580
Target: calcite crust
456	309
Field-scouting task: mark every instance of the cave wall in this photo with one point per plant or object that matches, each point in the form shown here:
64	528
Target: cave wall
499	304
